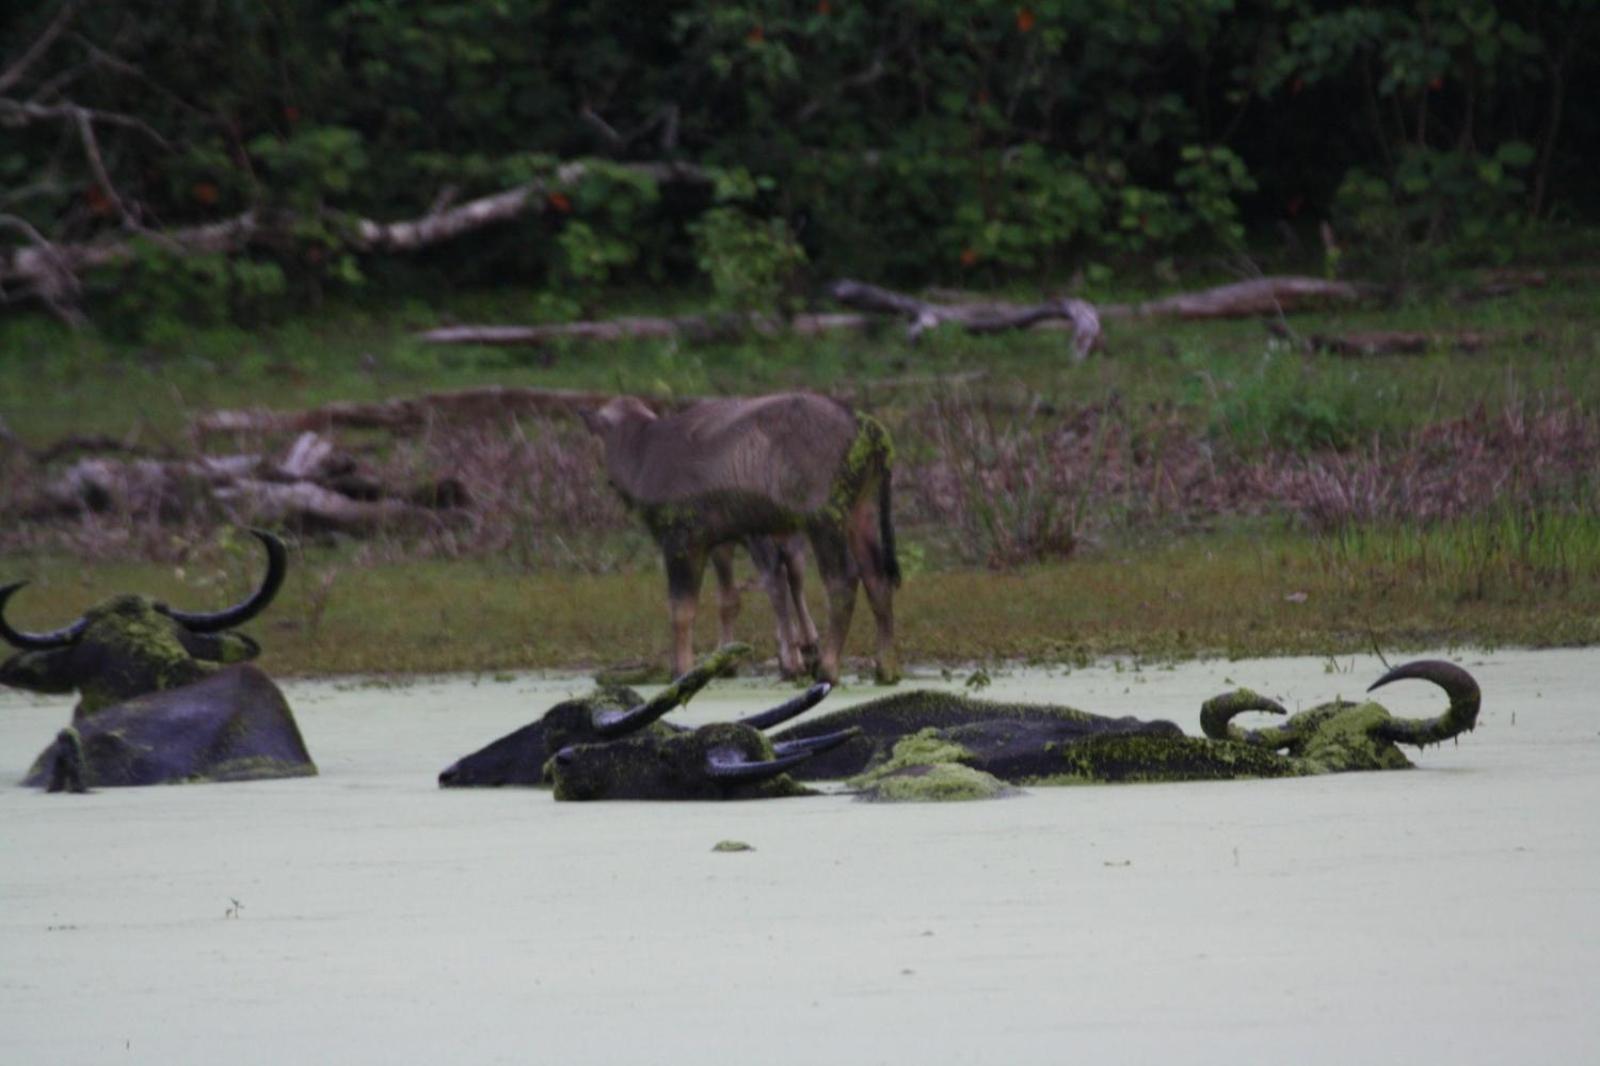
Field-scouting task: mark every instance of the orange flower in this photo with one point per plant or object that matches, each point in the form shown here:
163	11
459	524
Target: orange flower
1296	85
559	202
1436	84
969	257
756	35
291	114
1025	20
824	8
204	192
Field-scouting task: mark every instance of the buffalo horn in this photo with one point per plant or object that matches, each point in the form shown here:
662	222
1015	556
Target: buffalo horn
55	638
1465	698
239	614
785	711
736	771
814	745
612	725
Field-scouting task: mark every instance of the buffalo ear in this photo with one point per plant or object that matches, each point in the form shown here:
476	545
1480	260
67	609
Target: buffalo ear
40	671
219	647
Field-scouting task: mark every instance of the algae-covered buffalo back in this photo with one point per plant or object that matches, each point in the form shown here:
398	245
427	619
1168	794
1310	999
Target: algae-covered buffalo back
518	758
1007	727
233	725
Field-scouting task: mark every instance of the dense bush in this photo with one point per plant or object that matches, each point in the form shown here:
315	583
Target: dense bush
938	139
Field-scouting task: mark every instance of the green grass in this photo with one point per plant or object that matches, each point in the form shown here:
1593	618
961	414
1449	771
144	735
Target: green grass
1235	595
1227	374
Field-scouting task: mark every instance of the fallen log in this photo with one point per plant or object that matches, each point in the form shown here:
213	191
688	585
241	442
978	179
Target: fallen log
314	488
1079	316
1244	299
697	328
1395	341
409	413
1248	299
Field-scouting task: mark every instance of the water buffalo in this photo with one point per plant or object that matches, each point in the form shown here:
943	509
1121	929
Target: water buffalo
1022	743
610	712
725	470
164	695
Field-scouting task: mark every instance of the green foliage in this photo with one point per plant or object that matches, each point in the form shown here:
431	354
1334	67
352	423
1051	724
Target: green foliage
158	293
1300	403
928	141
1403	222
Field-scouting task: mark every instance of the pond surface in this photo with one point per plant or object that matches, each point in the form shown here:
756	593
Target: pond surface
364	916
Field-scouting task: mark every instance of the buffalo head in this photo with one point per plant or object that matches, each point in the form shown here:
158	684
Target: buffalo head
521	757
726	760
128	645
1341	735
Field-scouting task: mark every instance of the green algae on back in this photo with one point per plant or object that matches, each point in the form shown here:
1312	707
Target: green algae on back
927	768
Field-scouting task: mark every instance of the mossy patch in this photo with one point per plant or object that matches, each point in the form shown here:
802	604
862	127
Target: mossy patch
945	782
926	767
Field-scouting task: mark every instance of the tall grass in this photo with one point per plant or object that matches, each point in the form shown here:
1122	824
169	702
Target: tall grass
1511	553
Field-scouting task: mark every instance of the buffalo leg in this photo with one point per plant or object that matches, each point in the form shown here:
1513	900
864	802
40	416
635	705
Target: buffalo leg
769	561
792	551
839	578
685	569
727	592
867	551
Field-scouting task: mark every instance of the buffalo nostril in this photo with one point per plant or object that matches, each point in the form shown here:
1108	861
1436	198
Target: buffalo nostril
564	757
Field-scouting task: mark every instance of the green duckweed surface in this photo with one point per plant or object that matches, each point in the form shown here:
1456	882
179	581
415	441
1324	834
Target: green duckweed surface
367	916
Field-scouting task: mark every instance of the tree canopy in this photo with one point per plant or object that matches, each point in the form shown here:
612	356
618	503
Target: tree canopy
905	142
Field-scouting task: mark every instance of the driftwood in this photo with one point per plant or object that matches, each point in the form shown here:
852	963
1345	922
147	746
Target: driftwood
1077	315
314	487
1497	283
1395	341
1258	297
408	414
699	328
1248	299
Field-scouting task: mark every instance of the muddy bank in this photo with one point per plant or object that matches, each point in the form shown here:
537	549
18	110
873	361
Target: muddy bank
366	916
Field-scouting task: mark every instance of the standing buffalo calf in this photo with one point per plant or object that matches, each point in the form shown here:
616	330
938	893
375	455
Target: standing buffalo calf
770	466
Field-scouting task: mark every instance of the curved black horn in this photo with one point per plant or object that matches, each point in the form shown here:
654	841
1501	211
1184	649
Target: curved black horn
612	725
1217	712
1465	699
55	638
793	708
736	771
239	614
814	745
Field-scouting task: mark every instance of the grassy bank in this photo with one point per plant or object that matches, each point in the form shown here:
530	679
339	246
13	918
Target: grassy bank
1197	489
1229	595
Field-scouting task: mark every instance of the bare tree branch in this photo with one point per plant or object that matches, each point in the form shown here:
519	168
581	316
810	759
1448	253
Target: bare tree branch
34	265
41	44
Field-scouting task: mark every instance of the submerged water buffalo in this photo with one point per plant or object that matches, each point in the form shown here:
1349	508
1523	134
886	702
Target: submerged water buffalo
1335	737
613	745
727	470
609	713
164	695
